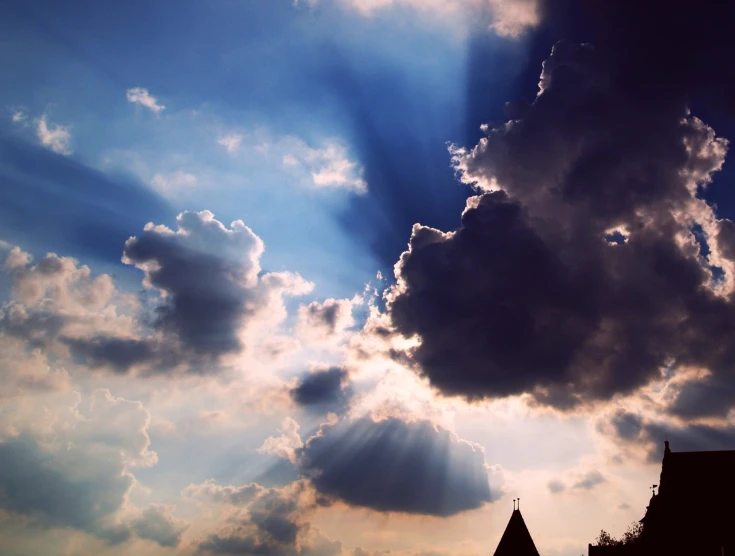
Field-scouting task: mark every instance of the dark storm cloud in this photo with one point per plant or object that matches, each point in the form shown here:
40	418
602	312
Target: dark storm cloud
322	388
658	45
395	466
527	295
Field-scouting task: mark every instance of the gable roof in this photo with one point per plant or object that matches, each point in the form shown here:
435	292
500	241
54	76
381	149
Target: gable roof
516	540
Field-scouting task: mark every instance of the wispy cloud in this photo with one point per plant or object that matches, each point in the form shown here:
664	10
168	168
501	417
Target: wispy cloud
139	95
19	116
329	166
176	181
509	17
231	142
53	136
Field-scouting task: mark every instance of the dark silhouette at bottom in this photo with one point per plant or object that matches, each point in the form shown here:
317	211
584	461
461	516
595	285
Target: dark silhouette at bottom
693	512
516	540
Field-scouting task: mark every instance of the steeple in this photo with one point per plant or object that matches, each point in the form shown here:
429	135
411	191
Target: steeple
516	540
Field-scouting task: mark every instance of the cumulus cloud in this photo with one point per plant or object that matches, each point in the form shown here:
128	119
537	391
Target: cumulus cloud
397	466
322	389
59	298
155	523
329	166
139	95
286	444
207	289
327	321
231	142
266	521
76	472
528	296
55	137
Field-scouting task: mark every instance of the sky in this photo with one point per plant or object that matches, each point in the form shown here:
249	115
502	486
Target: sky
349	277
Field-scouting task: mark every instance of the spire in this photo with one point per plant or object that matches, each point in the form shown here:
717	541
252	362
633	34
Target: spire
516	540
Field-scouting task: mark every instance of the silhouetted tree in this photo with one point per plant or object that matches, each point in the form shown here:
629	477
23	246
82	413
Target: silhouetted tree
633	533
606	539
631	536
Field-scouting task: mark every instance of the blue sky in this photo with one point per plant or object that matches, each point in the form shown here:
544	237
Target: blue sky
288	155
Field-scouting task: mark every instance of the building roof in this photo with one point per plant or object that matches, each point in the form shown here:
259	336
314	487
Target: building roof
516	540
699	475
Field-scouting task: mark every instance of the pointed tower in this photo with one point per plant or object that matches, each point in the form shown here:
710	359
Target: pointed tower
516	541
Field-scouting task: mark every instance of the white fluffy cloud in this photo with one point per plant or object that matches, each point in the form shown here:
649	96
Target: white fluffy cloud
139	95
55	137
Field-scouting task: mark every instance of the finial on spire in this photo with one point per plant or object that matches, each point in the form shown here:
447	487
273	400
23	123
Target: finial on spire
653	489
514	504
519	504
667	450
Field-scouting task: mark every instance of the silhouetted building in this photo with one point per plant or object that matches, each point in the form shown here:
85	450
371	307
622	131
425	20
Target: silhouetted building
516	540
693	512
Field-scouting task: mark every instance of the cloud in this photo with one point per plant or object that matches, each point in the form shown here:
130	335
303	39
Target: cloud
324	388
207	292
265	521
58	298
55	137
556	486
139	95
286	445
527	296
156	524
509	18
19	116
174	183
327	321
397	466
589	480
75	473
576	481
650	430
231	142
328	166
